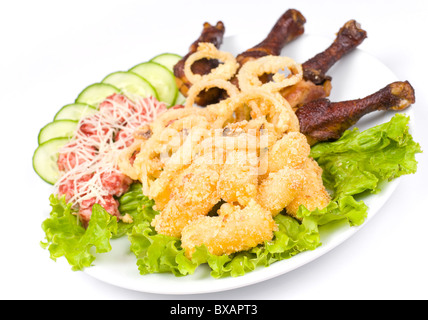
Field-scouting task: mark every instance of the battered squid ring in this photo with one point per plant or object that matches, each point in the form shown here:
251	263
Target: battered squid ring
207	50
167	118
125	164
277	111
207	84
250	72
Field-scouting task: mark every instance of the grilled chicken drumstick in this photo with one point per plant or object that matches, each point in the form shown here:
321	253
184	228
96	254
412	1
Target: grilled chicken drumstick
214	35
323	120
316	83
288	27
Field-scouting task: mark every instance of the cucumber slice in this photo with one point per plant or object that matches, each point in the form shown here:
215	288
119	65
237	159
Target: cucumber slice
45	159
168	60
161	78
180	99
75	111
57	129
96	93
131	84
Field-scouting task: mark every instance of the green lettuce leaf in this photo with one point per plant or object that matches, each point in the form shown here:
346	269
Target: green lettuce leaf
157	253
355	212
291	238
65	236
362	161
358	162
138	206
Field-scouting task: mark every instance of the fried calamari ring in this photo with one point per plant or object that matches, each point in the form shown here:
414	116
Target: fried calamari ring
167	118
225	70
250	72
126	165
169	145
207	84
263	104
245	151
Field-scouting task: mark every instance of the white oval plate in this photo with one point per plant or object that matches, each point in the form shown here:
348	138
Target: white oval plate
355	76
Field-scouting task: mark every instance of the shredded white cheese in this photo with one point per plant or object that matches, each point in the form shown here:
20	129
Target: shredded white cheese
90	157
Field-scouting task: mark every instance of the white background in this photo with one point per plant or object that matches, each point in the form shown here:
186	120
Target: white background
50	50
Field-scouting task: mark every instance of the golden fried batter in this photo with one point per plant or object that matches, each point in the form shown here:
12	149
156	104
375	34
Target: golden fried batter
291	150
233	230
195	196
280	188
313	195
238	179
245	151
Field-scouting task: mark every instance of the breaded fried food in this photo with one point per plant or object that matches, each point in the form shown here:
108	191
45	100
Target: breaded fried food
161	188
234	229
313	195
244	152
195	194
280	188
238	180
291	150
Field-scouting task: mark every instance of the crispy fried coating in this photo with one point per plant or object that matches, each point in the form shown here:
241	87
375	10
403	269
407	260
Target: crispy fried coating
291	150
224	70
238	179
195	196
313	195
250	73
234	229
161	188
280	188
225	166
245	151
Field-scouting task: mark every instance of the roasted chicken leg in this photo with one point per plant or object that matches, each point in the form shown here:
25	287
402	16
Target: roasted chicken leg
323	120
214	35
288	27
316	83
